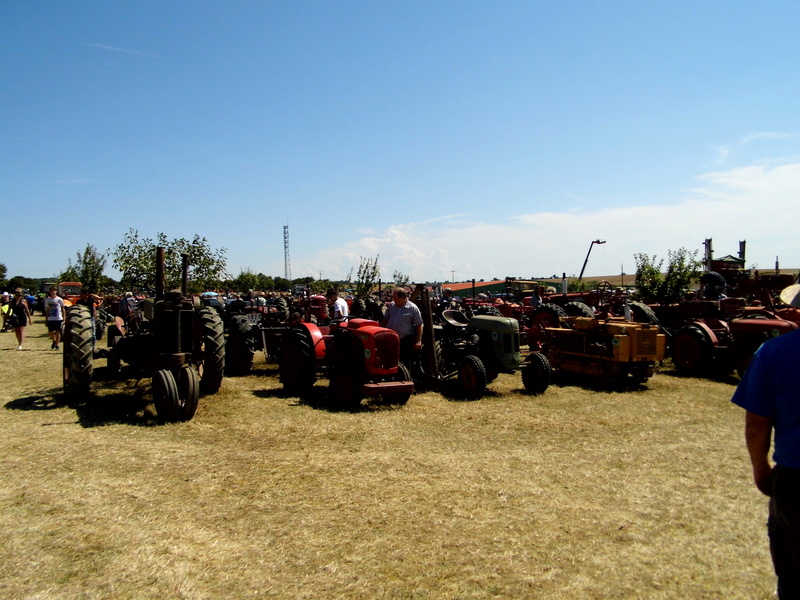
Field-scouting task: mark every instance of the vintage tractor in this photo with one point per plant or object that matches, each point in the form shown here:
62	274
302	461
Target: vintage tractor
616	351
179	342
716	344
359	358
475	350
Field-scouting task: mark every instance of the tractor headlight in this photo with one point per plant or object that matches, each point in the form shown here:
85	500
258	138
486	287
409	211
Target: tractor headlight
474	339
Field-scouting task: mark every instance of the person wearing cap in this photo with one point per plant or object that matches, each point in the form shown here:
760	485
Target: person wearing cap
768	392
404	317
337	306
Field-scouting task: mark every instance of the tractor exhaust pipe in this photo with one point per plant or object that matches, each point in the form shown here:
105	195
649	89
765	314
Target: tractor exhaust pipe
184	273
160	273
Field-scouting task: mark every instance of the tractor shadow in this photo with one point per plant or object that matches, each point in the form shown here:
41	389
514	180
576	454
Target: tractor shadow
123	402
318	398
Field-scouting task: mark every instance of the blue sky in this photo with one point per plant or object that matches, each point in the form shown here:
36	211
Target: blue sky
474	139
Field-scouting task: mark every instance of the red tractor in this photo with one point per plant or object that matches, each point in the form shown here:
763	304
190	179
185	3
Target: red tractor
718	343
359	357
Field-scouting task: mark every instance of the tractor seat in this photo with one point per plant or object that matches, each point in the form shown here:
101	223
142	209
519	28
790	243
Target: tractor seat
455	318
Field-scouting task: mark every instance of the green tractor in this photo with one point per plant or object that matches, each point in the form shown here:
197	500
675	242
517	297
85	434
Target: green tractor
170	336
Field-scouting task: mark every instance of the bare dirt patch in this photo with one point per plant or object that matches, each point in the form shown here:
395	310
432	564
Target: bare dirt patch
574	494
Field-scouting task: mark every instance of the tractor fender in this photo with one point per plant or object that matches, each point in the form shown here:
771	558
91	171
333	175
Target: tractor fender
317	339
709	331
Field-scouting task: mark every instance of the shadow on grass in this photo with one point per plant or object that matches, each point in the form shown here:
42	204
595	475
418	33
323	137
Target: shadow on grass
117	402
319	399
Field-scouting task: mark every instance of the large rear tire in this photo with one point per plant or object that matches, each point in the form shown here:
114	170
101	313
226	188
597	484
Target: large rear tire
78	356
578	309
536	374
472	377
213	345
239	347
296	366
345	389
547	315
692	351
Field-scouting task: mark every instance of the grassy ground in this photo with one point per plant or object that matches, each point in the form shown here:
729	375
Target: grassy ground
574	494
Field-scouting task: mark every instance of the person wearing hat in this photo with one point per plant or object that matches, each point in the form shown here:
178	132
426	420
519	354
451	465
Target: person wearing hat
769	394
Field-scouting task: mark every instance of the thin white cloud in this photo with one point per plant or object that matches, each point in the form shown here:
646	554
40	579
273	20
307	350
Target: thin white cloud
73	181
122	50
749	203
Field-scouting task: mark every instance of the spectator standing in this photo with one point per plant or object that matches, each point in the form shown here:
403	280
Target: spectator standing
337	307
20	316
55	313
404	317
768	392
5	308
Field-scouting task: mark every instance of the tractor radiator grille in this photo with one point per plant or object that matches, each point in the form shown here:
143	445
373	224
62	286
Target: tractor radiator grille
387	343
645	343
510	343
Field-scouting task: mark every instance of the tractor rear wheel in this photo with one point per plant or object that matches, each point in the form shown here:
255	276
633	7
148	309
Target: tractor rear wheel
472	377
345	389
536	373
296	366
78	353
239	350
402	374
547	315
578	309
188	392
165	395
359	308
692	351
213	342
282	308
642	313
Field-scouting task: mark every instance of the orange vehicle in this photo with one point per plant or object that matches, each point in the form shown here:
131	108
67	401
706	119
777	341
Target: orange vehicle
70	291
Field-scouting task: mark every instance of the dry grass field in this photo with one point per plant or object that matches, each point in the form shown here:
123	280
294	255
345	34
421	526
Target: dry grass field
574	494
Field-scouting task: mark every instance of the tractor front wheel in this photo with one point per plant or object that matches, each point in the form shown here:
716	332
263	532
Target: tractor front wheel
403	374
188	392
536	373
165	395
472	377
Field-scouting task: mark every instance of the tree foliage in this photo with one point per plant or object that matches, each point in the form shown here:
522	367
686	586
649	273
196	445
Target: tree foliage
369	273
582	285
88	269
683	269
400	279
135	258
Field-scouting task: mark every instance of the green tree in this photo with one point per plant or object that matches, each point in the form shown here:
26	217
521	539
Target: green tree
282	284
88	269
369	273
246	280
585	285
136	257
400	279
683	269
264	282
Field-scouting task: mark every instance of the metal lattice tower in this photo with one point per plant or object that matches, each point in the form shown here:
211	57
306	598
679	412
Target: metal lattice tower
287	266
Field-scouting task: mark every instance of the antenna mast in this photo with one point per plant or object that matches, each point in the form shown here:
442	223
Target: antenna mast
287	266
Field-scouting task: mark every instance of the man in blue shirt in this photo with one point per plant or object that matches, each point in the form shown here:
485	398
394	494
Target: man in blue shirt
770	393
